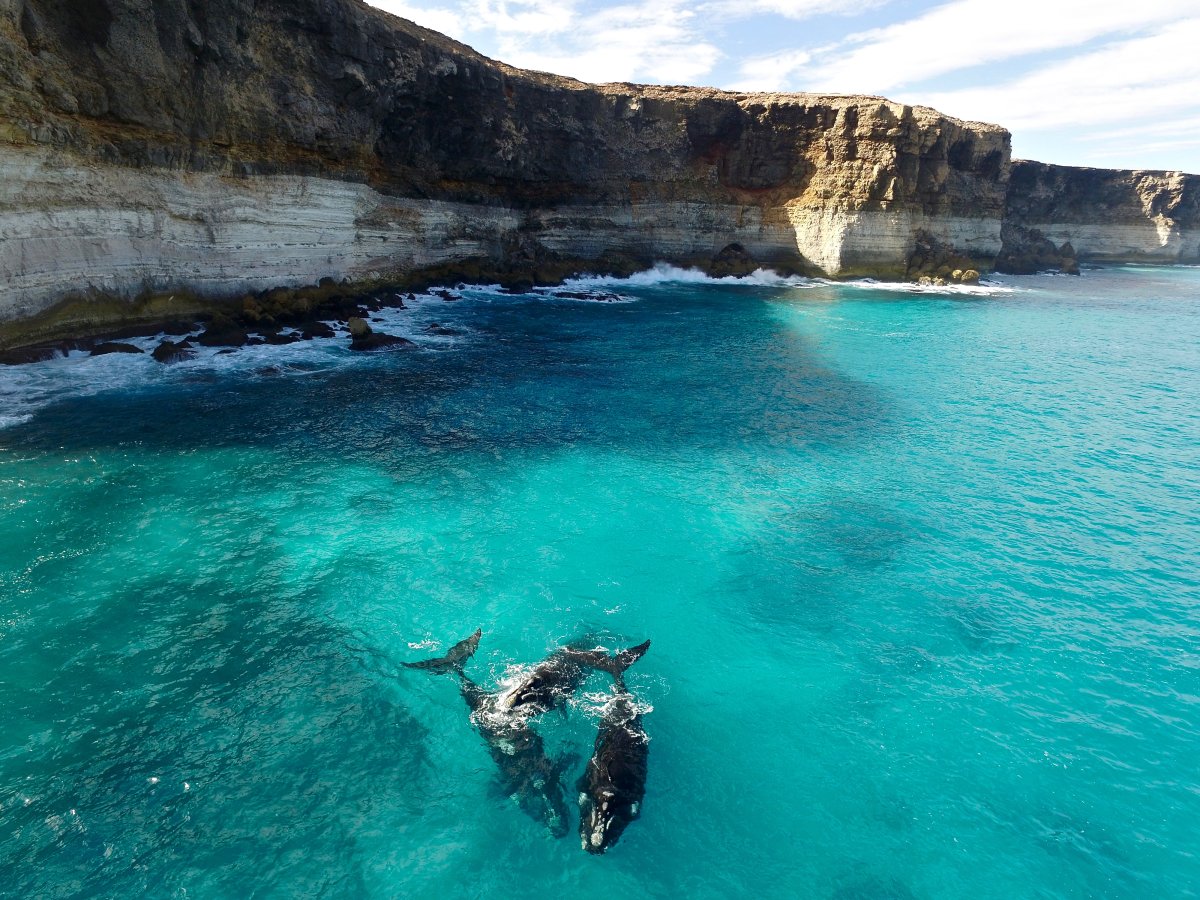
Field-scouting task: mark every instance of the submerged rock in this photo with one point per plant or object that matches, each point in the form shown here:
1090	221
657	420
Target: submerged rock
169	353
589	296
228	335
364	340
375	342
30	355
313	330
115	347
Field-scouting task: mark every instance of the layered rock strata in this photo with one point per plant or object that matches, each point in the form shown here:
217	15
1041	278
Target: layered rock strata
166	158
221	147
1057	215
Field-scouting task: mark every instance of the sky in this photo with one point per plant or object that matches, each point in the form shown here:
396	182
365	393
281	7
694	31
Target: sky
1111	83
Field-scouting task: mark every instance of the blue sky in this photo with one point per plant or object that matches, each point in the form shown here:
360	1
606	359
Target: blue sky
1081	82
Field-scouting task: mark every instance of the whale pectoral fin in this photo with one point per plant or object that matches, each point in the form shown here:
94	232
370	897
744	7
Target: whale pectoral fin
616	665
627	658
454	660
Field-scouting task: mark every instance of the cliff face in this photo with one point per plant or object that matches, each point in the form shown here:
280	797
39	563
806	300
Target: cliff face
235	145
1056	213
210	148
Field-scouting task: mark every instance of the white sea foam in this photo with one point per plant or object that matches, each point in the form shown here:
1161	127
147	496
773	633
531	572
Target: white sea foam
25	389
28	388
983	289
11	421
664	273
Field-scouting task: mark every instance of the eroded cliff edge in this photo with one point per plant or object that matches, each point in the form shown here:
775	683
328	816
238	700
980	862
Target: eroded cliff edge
226	146
1056	214
157	156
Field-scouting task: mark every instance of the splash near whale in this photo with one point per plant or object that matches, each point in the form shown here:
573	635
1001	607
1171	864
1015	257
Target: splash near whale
528	775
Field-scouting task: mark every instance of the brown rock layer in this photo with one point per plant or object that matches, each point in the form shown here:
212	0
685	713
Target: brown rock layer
180	144
158	157
1056	216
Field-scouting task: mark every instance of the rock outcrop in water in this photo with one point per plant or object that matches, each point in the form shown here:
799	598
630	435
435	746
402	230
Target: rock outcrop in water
160	158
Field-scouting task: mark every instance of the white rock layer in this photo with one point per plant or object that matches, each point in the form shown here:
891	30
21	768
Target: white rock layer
67	227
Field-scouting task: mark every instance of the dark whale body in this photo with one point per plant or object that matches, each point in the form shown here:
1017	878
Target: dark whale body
526	773
614	783
552	681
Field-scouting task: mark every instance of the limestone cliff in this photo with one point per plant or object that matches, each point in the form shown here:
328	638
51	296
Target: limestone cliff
226	146
159	155
1058	213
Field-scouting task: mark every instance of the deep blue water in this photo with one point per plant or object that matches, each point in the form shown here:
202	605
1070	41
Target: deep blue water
920	570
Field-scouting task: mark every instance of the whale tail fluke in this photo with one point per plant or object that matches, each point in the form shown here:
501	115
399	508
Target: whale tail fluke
616	665
455	658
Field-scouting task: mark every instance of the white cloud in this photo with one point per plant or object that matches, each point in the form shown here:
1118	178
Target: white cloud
961	35
1145	80
655	40
792	9
523	17
652	40
447	20
772	73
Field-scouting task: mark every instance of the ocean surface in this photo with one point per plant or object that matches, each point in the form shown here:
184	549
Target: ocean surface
921	569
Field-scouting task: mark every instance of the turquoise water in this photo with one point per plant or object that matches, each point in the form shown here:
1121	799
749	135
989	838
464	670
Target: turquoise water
920	571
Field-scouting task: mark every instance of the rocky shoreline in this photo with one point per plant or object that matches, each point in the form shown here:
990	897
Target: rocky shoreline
247	159
277	318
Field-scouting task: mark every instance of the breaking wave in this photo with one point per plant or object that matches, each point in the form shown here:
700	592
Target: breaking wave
664	273
983	289
28	388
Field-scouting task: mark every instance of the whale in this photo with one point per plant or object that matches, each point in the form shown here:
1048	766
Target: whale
550	683
527	775
614	783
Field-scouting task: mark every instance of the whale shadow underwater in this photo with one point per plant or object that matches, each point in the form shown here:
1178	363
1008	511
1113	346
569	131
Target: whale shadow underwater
502	718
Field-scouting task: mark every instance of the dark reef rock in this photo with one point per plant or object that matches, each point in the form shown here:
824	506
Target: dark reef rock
169	353
733	260
1027	251
364	340
223	333
311	330
277	338
27	355
114	347
376	341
